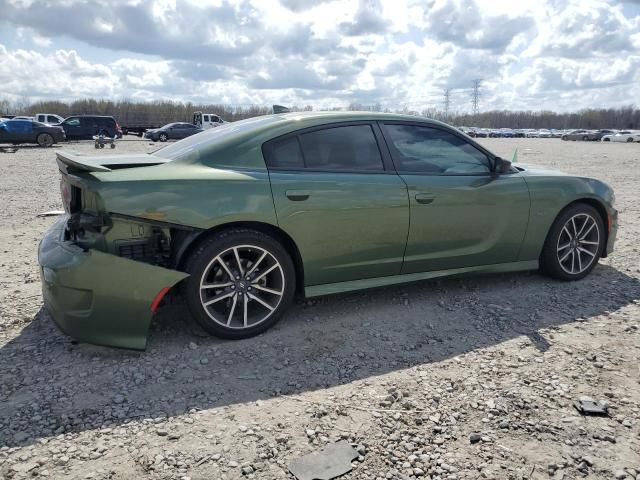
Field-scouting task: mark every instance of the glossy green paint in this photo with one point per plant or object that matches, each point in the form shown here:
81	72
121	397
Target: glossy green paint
470	220
351	226
355	230
552	191
96	297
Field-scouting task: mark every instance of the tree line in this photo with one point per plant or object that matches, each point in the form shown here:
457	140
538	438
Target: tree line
164	111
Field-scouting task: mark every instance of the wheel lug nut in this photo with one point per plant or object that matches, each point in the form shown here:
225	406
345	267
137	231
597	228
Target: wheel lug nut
237	278
233	287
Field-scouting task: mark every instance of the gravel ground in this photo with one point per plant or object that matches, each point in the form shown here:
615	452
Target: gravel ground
450	379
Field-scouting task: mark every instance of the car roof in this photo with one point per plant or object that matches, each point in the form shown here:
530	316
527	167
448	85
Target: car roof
215	146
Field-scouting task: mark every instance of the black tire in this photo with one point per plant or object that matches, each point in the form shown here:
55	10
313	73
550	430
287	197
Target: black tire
606	139
551	262
113	145
163	137
201	265
630	140
564	137
45	140
585	138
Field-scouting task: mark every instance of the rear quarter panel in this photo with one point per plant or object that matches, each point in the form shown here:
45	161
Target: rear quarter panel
191	195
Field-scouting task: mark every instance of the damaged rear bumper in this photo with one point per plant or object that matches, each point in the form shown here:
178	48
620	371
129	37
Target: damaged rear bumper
96	297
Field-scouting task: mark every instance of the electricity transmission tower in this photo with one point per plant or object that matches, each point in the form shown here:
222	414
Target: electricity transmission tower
475	95
447	102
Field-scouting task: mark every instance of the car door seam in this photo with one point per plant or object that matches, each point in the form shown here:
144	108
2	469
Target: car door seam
526	228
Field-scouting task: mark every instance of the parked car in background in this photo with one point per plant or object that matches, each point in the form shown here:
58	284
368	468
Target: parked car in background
48	118
85	127
579	135
172	131
207	120
507	133
246	215
531	133
467	131
602	133
18	131
624	136
544	133
482	132
519	133
556	133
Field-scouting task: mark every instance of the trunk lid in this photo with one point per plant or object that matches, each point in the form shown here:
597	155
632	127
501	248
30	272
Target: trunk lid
74	162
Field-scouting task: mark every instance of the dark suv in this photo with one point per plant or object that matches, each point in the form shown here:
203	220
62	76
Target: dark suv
84	127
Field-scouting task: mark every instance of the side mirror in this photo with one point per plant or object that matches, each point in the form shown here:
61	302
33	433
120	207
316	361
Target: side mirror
500	165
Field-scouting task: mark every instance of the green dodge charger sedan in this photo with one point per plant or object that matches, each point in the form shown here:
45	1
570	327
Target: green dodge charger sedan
240	218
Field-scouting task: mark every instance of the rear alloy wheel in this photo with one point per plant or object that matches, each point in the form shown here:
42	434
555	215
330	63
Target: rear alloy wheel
241	282
574	243
630	139
585	138
163	137
45	140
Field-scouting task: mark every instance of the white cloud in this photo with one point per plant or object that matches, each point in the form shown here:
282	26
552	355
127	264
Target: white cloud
557	54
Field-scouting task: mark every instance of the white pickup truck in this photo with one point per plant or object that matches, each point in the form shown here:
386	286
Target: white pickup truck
48	118
206	120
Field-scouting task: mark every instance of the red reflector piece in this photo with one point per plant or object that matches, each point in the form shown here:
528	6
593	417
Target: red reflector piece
158	298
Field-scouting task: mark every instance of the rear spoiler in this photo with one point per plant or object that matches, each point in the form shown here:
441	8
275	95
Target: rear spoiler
79	162
75	162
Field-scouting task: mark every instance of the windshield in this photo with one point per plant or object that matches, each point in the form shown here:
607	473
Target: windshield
191	146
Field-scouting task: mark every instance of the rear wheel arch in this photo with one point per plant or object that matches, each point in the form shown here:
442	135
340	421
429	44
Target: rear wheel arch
190	243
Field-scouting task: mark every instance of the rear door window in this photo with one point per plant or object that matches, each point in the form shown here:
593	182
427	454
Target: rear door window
206	118
348	148
284	154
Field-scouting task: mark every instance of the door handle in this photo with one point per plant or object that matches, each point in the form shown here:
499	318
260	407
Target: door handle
425	198
297	195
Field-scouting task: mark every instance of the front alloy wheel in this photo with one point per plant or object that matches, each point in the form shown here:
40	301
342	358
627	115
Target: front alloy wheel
574	243
163	137
241	282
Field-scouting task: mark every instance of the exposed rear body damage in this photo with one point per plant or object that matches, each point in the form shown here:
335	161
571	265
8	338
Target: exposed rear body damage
96	297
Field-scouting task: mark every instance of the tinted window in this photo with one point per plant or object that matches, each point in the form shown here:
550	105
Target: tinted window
41	118
73	122
437	152
206	118
352	147
284	154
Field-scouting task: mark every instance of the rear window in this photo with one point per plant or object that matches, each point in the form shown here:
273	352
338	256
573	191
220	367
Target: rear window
191	148
206	118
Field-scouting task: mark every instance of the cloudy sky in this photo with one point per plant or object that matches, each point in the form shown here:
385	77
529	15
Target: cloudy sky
537	54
